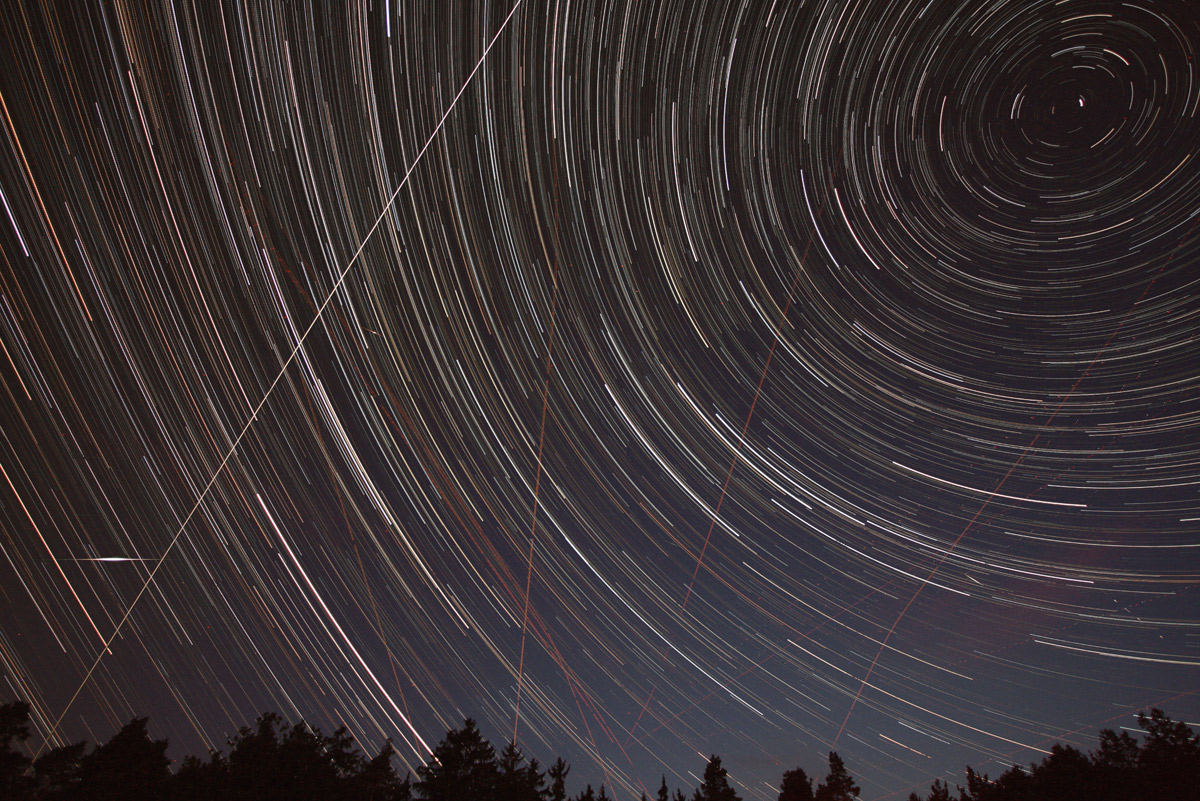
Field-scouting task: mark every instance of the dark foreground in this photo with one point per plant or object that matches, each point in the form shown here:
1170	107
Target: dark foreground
276	762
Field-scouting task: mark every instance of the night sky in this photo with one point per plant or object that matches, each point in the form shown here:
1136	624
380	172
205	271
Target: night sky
649	379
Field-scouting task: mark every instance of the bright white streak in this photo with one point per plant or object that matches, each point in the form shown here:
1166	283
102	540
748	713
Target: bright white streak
337	626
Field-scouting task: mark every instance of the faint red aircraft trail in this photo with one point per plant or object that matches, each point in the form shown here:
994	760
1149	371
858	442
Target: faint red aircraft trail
937	565
581	696
807	635
737	453
537	481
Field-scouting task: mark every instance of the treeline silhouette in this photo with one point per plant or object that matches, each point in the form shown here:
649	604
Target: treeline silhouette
273	761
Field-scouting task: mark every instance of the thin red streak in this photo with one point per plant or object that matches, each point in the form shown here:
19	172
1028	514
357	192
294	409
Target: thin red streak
737	454
937	566
537	483
807	635
738	451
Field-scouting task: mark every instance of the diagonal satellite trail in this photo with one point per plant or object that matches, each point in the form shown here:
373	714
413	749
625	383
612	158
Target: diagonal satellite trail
266	395
816	274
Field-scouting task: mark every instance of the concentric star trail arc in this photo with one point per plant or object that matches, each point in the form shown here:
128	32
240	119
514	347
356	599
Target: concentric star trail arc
643	380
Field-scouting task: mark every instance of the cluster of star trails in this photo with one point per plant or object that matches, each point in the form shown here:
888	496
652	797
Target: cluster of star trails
741	378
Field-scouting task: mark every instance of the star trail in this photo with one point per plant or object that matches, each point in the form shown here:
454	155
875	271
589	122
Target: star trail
650	380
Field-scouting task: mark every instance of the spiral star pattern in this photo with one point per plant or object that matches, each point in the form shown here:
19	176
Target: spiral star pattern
743	378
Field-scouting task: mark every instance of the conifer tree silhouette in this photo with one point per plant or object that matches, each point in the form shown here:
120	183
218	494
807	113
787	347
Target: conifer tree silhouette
796	786
838	784
463	766
715	786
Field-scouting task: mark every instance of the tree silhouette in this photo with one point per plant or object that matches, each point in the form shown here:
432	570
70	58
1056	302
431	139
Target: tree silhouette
378	781
663	793
1115	766
938	791
56	773
1066	773
14	729
1016	782
1170	756
838	784
463	766
518	781
1165	766
558	780
796	786
200	780
715	786
977	785
1117	752
276	762
130	765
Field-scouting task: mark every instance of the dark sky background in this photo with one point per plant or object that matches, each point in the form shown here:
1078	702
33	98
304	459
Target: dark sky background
742	378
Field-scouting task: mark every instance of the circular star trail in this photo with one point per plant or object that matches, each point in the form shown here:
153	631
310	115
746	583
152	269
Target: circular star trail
753	379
